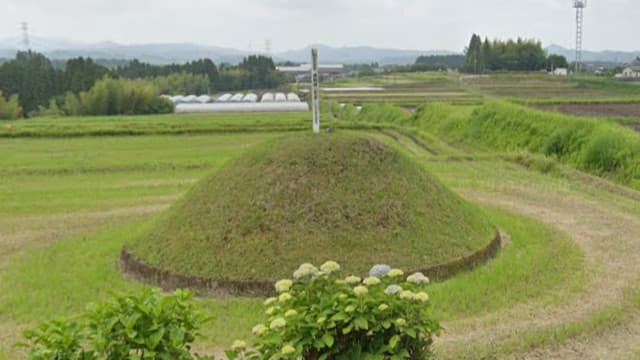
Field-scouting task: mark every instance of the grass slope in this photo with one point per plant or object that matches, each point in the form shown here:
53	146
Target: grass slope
310	198
596	146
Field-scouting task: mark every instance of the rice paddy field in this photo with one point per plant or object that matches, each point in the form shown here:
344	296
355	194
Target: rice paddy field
565	284
416	88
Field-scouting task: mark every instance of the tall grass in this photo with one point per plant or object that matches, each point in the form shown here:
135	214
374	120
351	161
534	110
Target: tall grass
599	147
380	113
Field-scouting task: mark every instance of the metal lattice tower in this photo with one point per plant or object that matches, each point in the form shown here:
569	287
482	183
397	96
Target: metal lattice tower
579	5
25	36
267	47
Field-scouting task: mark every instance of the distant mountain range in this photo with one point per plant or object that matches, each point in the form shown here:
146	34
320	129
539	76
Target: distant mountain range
182	52
359	55
607	56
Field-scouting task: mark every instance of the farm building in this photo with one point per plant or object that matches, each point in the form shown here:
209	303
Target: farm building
631	71
560	72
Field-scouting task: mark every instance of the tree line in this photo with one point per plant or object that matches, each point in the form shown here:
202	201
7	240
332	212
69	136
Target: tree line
511	55
38	83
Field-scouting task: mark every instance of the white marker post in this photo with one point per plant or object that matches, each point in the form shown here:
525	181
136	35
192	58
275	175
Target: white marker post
315	90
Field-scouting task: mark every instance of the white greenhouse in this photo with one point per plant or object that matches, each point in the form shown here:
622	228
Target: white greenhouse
237	97
267	97
250	98
191	99
203	99
178	99
224	98
241	107
281	97
292	97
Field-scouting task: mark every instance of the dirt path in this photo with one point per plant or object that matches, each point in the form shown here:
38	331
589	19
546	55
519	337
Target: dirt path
611	244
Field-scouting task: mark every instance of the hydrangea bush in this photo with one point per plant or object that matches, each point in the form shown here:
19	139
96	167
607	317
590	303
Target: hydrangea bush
320	315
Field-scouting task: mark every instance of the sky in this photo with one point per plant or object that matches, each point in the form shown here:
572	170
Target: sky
292	24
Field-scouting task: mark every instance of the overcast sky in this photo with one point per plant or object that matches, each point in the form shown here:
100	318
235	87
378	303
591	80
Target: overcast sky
289	24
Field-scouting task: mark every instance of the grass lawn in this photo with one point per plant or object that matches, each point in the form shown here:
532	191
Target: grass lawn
69	200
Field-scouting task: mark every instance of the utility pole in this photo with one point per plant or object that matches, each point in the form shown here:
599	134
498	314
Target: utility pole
315	90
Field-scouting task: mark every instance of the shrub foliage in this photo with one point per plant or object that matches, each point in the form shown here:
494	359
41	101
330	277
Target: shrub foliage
319	315
10	109
145	326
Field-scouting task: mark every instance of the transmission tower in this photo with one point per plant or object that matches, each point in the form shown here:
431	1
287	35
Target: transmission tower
25	35
267	47
579	5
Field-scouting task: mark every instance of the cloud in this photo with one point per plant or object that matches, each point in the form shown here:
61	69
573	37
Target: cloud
420	24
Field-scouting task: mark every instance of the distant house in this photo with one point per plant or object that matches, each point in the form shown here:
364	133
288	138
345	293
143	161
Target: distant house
631	71
560	72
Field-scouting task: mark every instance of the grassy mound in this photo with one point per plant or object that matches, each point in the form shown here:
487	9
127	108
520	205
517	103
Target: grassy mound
305	198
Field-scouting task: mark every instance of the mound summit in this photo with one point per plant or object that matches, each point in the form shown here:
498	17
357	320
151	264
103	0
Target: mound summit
304	198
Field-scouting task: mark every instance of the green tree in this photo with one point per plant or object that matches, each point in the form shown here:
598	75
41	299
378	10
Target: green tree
474	58
557	61
80	74
31	76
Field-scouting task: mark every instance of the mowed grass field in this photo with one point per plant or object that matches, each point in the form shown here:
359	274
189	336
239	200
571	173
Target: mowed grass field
73	191
411	89
69	204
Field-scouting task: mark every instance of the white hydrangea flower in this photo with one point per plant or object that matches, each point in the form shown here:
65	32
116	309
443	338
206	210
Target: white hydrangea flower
284	297
407	295
421	296
287	350
259	329
270	301
352	279
360	290
370	281
401	322
392	289
379	270
330	267
418	278
278	323
305	270
383	307
271	310
290	313
395	273
283	285
239	345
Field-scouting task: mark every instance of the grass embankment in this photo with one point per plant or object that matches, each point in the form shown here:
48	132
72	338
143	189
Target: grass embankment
599	147
183	124
306	198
